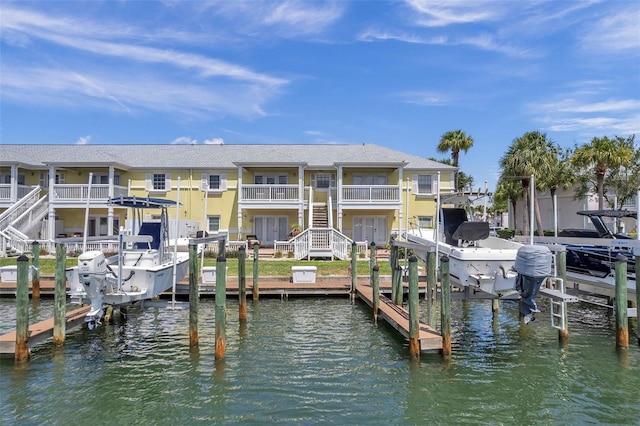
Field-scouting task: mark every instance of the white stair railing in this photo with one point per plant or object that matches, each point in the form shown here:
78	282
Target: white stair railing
21	206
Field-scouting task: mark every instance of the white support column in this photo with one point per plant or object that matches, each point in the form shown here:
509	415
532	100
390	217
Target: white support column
400	204
339	197
52	200
240	212
14	184
301	197
110	208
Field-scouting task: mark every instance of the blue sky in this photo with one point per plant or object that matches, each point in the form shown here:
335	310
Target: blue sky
397	74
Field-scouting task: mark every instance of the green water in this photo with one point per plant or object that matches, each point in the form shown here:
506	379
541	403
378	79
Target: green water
314	360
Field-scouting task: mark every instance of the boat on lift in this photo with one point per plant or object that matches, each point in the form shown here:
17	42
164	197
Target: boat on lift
476	258
598	258
146	265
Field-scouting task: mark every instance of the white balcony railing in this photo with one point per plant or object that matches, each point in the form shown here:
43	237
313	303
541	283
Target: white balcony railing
99	192
370	193
270	193
5	191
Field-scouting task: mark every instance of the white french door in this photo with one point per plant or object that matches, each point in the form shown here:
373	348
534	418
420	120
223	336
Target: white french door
270	228
370	228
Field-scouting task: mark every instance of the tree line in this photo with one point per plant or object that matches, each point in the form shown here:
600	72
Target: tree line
606	166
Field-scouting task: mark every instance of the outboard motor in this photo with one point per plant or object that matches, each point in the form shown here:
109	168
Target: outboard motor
533	265
92	271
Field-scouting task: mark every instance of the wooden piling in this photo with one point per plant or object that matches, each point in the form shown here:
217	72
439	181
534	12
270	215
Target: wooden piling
242	284
414	315
495	306
22	310
445	306
561	268
221	306
256	254
222	249
60	296
430	296
194	296
375	288
372	255
35	273
354	268
394	262
622	318
397	283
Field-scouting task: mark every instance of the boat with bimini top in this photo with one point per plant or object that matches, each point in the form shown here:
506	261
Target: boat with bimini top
146	265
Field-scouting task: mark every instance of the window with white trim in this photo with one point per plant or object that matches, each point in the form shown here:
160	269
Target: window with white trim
158	182
369	179
44	179
323	180
213	223
214	182
422	184
270	179
425	221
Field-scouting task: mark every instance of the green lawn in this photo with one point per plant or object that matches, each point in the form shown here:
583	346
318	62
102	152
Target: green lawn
266	268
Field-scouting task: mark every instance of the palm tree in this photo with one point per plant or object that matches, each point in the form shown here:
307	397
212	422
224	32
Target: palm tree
455	141
600	155
560	175
508	191
530	154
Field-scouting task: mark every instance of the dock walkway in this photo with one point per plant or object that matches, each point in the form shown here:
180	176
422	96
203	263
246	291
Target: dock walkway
40	331
398	318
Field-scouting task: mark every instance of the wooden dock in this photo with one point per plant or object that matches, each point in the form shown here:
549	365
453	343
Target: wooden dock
398	318
40	332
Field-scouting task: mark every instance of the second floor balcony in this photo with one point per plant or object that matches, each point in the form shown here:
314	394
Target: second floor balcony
372	194
69	193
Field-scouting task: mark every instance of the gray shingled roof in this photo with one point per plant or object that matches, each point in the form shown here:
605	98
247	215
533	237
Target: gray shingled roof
209	156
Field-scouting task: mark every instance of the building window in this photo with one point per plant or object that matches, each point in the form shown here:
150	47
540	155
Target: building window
44	179
425	221
214	181
270	179
159	182
323	180
422	184
213	223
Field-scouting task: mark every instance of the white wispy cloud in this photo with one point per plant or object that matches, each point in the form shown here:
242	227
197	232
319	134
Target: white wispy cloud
588	113
442	13
214	141
428	98
189	83
288	18
83	140
616	32
184	140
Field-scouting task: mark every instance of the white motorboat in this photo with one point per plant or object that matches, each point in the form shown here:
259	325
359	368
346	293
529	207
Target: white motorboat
147	264
476	258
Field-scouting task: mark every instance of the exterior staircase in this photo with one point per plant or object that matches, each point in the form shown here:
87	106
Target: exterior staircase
320	216
20	223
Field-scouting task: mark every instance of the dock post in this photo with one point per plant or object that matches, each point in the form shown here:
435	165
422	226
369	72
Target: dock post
372	255
60	296
561	267
194	298
35	273
242	284
256	254
222	249
431	287
22	310
622	318
375	288
394	261
637	290
414	321
397	283
354	268
221	306
445	308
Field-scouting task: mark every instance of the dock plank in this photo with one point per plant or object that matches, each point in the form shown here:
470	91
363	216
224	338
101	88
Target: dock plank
398	318
40	331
